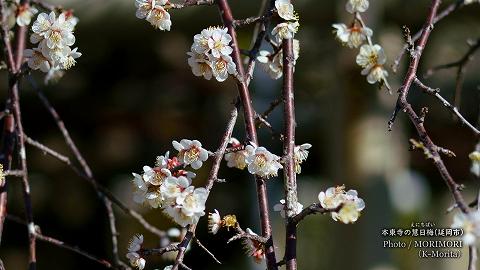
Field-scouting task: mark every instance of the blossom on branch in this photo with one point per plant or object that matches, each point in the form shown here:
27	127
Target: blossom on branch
273	63
372	60
300	155
352	36
254	248
154	12
281	207
285	10
351	205
191	153
285	30
236	159
261	162
188	207
134	249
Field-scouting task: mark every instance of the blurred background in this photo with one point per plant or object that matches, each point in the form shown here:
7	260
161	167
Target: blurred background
132	93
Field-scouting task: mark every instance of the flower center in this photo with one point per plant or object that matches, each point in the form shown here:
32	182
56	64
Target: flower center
192	154
261	160
220	65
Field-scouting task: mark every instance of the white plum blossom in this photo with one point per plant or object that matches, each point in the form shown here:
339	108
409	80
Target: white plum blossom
174	186
191	153
68	61
155	176
236	159
168	267
273	64
219	42
475	167
188	207
353	36
214	222
54	36
353	6
133	252
200	65
285	10
222	67
351	205
25	13
300	155
332	197
261	162
201	41
36	60
210	54
281	207
154	12
371	59
285	30
470	224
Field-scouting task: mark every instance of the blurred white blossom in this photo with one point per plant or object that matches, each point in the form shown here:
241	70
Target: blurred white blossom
285	30
285	10
133	255
470	224
353	36
353	6
475	167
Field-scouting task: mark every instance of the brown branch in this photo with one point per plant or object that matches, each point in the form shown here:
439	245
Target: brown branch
212	179
206	250
289	174
441	15
241	234
448	106
251	131
190	3
403	105
62	244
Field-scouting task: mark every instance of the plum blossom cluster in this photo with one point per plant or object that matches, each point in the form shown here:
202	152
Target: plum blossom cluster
134	252
210	54
272	62
470	224
289	27
168	184
155	12
345	205
371	57
54	39
260	161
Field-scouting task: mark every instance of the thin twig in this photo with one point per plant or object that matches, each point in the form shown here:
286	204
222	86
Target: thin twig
403	105
441	15
61	244
452	109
